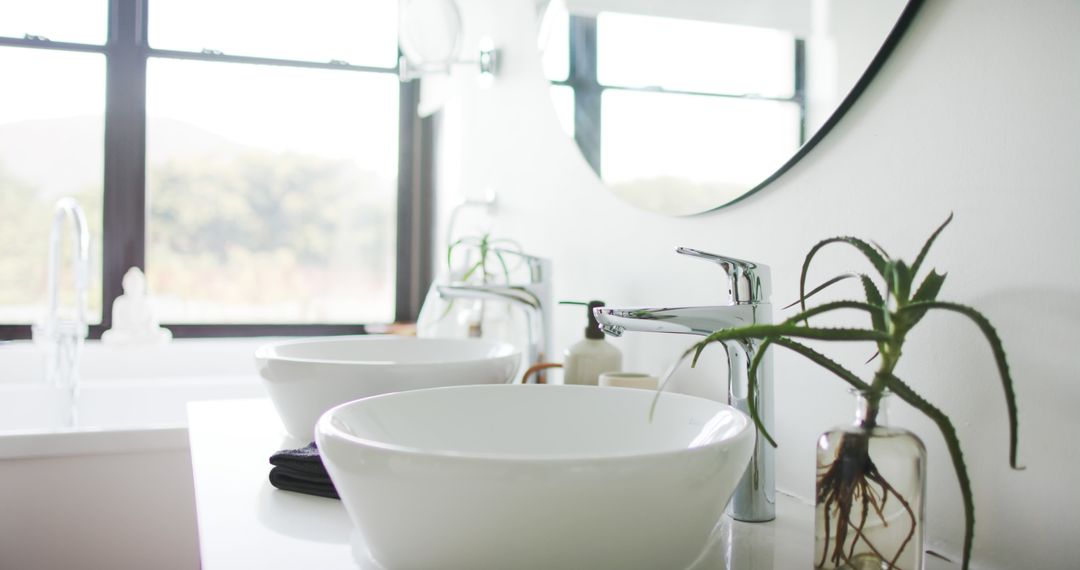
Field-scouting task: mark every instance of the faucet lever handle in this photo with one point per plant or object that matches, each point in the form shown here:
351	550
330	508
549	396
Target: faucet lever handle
748	282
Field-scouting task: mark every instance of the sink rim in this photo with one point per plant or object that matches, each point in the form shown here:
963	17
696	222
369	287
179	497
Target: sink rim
268	352
326	427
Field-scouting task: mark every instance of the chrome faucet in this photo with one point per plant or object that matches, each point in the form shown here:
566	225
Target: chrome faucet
533	296
748	287
62	336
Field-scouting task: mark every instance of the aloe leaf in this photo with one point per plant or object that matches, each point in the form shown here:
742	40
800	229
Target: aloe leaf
873	297
450	252
829	307
468	240
890	282
485	249
824	362
696	349
903	276
505	245
472	269
875	257
502	262
752	389
926	246
768	331
765	331
873	294
880	249
811	354
450	268
952	442
927	291
999	358
670	373
930	287
755	362
822	287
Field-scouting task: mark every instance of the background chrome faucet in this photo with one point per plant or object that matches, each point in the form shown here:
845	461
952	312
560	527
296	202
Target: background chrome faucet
62	336
748	287
533	296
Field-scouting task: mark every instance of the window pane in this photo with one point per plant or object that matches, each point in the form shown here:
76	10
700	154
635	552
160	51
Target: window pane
562	97
554	40
361	33
272	193
647	51
51	145
735	143
76	21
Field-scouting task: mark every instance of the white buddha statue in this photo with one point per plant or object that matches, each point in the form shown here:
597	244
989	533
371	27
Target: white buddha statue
133	320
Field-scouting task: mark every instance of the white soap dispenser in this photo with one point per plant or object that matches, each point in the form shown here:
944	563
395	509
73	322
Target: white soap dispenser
587	359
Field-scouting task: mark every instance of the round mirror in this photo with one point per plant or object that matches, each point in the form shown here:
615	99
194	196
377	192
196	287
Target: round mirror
684	106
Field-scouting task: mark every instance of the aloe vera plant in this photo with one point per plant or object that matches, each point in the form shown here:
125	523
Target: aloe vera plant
894	305
487	247
484	270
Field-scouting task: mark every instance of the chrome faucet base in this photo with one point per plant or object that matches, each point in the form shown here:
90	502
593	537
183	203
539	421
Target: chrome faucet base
754	499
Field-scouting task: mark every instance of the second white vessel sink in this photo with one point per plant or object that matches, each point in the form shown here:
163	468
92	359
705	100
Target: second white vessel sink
306	377
535	476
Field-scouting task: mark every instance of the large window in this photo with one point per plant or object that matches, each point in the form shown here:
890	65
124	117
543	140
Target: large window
259	159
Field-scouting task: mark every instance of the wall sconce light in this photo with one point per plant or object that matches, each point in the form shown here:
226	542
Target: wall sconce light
430	33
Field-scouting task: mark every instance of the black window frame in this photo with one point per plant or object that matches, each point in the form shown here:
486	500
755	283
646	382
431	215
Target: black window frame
126	52
588	91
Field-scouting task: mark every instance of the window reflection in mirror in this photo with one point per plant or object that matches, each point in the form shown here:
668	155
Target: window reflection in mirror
679	115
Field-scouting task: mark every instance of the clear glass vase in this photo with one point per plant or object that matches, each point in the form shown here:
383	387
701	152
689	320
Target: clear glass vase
871	480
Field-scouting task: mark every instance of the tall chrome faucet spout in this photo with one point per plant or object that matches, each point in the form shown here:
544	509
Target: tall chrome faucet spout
748	287
533	296
61	335
683	320
68	209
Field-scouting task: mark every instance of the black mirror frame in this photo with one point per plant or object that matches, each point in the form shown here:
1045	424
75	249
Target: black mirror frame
899	28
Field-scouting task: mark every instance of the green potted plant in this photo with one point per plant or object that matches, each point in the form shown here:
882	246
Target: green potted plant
480	260
870	477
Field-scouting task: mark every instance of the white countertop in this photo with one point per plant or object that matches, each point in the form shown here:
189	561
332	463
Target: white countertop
246	523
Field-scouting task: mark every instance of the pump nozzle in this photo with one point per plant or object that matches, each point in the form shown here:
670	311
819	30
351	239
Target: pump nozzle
592	330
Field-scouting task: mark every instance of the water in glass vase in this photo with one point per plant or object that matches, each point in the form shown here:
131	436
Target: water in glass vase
870	489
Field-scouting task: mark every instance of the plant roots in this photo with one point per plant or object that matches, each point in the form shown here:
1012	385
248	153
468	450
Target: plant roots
850	481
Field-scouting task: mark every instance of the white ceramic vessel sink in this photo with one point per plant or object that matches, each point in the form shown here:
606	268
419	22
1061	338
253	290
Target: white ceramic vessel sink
309	376
534	476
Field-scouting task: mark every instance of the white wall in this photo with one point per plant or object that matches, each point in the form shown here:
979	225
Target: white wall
976	113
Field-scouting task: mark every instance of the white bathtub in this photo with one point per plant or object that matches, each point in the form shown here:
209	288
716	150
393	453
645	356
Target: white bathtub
114	491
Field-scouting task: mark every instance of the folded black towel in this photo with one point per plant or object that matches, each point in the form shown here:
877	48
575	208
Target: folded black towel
301	471
305	459
296	482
